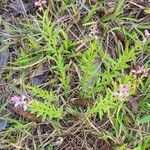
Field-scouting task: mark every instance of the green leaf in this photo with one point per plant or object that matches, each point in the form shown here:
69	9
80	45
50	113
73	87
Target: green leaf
47	111
144	120
116	13
91	12
123	147
39	92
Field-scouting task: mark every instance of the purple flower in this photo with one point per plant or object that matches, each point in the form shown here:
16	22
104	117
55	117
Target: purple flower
140	71
115	94
39	4
123	91
20	102
15	98
147	33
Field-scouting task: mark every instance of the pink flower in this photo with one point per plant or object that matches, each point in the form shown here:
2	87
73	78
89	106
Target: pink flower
43	2
15	98
40	8
20	102
115	94
40	4
123	91
140	71
147	33
145	74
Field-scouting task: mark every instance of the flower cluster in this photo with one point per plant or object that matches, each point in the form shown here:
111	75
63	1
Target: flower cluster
20	102
140	71
147	33
39	4
123	91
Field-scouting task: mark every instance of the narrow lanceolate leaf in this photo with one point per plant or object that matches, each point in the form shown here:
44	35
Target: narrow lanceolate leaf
119	8
145	119
116	13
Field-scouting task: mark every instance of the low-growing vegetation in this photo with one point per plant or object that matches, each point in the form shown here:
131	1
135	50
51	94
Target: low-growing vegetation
74	75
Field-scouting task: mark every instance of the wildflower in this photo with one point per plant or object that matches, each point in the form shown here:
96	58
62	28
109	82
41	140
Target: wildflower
147	33
40	4
115	93
123	91
20	102
140	71
145	74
